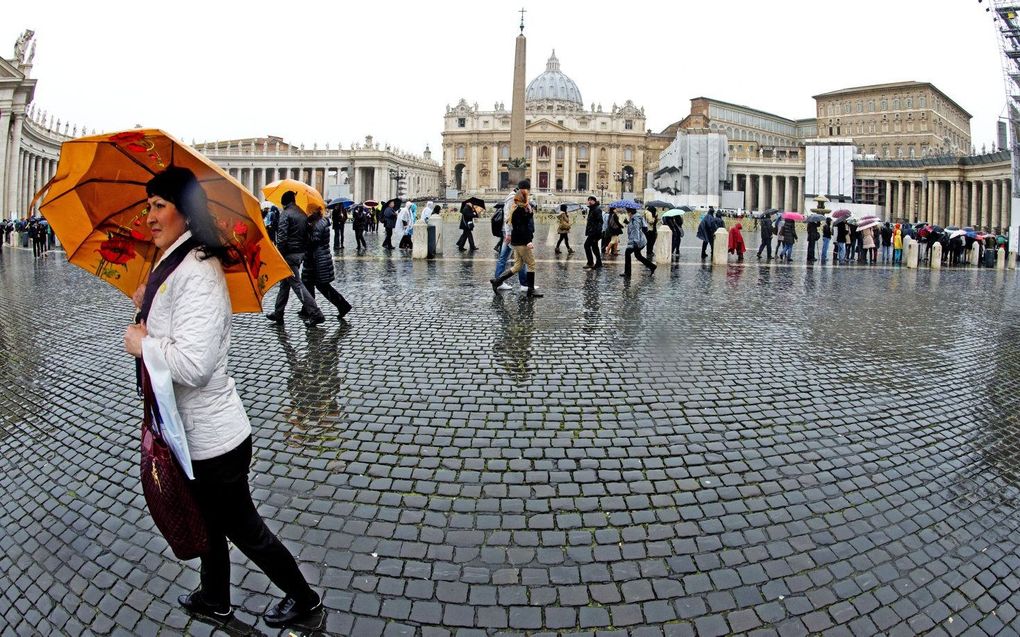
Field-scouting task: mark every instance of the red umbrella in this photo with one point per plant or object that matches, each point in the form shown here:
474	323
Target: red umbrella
841	214
793	216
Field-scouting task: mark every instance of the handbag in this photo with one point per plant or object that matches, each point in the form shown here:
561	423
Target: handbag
167	494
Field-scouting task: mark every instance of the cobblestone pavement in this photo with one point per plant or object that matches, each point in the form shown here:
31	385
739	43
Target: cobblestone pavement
758	449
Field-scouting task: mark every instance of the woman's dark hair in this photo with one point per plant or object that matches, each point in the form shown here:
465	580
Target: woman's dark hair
437	209
180	187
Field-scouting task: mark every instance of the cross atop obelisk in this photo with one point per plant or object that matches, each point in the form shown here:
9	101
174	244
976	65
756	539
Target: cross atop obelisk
517	121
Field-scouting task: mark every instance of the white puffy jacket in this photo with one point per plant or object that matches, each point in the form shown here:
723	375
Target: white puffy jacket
190	322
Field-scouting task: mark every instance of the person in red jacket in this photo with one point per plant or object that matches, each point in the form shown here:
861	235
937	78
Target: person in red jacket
736	242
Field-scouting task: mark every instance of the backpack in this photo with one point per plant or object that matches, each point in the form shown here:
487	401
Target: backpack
497	223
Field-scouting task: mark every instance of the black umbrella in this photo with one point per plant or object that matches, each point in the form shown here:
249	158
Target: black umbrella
658	203
686	208
475	201
771	211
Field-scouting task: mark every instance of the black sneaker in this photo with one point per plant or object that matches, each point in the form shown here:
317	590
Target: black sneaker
275	318
344	309
313	321
288	611
196	604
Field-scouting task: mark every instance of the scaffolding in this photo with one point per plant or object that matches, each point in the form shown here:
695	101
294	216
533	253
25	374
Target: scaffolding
1007	24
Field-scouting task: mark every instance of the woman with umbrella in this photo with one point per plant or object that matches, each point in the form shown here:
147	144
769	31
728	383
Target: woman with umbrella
185	312
766	236
469	211
317	271
674	220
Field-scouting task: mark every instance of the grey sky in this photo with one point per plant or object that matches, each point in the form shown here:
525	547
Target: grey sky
336	71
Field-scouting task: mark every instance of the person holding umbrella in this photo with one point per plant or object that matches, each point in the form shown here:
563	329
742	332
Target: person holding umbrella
592	235
469	211
675	221
706	230
636	240
317	271
339	219
292	241
359	223
389	219
652	232
812	239
185	312
766	238
789	235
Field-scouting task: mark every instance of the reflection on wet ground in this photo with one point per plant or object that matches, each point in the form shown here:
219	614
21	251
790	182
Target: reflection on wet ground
702	450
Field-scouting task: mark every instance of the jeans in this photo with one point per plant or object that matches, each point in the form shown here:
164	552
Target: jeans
842	252
765	245
338	235
504	256
788	251
885	253
637	253
592	252
897	255
224	499
308	306
825	248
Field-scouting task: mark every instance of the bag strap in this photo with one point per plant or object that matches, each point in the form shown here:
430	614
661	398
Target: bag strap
151	418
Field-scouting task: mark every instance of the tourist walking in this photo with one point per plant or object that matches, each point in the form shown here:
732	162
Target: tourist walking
826	239
592	235
505	249
812	239
272	221
867	243
735	242
468	214
292	241
563	222
636	241
765	229
652	230
521	238
675	224
615	229
706	232
405	225
185	316
359	223
789	235
389	219
317	272
339	221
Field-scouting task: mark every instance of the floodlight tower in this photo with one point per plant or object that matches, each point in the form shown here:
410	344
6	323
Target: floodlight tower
1006	16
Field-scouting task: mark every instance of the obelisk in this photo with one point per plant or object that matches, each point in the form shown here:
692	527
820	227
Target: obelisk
517	165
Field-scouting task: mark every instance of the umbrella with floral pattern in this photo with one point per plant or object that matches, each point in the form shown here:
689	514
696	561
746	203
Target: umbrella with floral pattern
97	206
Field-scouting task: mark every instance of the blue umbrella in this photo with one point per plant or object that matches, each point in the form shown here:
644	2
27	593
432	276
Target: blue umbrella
339	201
630	204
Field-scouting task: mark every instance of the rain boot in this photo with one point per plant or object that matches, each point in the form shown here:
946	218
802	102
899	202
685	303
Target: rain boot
531	286
498	281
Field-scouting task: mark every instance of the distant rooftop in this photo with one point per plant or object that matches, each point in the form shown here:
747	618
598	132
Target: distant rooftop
891	85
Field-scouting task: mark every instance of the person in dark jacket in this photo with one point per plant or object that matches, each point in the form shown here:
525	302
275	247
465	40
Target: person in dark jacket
592	235
389	219
676	225
359	223
789	238
339	220
317	272
887	233
292	241
706	232
812	239
842	234
522	236
468	214
765	227
826	239
652	230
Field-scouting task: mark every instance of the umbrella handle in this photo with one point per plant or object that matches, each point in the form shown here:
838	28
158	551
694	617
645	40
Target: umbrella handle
42	192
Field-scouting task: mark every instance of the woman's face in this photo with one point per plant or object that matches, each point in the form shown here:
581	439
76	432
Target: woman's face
166	223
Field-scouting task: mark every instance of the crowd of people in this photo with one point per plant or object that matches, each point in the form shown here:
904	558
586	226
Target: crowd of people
34	230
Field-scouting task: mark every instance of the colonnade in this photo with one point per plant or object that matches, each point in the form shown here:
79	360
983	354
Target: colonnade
29	162
761	192
981	203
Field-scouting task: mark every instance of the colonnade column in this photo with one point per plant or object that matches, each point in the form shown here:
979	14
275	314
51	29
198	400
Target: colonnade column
534	166
901	199
787	193
995	206
974	215
748	204
12	172
761	193
1007	203
954	210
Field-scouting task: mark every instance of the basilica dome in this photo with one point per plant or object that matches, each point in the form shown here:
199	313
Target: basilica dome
553	85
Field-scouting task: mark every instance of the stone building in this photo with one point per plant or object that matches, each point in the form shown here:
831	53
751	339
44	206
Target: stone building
570	149
900	120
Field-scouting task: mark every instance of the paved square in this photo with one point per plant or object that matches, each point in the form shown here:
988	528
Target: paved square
758	449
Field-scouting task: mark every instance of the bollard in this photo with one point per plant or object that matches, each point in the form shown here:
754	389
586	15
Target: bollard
719	241
420	240
936	257
1011	261
1000	259
974	255
663	246
437	221
909	252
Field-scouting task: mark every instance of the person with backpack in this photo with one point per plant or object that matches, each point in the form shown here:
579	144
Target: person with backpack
468	214
292	241
496	225
592	235
636	241
765	229
615	229
504	231
521	239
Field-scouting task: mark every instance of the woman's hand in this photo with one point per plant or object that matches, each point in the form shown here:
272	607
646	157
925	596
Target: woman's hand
133	336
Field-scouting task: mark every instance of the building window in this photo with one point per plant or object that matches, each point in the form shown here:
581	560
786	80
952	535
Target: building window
559	153
922	102
485	123
504	151
871	106
912	152
628	124
896	103
461	122
628	154
460	152
860	106
543	152
603	126
883	105
527	152
582	152
910	102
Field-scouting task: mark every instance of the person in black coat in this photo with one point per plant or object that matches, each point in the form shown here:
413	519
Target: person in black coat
592	235
359	223
317	273
676	225
389	219
766	238
706	232
339	220
468	214
292	242
812	238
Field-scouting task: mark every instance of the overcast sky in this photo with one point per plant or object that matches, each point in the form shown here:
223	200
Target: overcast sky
335	71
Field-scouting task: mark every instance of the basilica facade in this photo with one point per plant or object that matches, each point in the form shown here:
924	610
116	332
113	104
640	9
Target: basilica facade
571	150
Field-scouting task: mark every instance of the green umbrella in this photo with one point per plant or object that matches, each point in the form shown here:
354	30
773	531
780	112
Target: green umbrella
675	212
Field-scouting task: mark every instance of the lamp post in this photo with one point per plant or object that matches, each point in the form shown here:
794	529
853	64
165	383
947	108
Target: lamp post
623	176
398	175
602	190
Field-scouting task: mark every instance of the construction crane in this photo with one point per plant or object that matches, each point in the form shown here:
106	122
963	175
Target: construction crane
1006	14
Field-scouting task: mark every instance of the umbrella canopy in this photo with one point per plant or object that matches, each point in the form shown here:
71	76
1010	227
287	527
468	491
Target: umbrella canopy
629	204
339	201
370	203
675	212
815	218
475	201
771	211
952	228
793	216
1000	239
868	225
870	218
957	233
658	203
841	214
937	229
306	197
575	206
685	208
97	205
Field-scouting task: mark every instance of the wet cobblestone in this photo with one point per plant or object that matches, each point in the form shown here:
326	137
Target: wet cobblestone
763	450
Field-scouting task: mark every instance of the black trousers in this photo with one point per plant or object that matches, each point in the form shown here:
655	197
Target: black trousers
388	241
765	245
359	237
811	249
650	237
637	254
563	239
328	291
707	246
221	489
38	247
338	235
676	243
466	236
591	250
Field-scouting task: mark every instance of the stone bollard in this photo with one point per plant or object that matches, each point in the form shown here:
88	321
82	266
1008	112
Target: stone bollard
936	257
910	252
663	245
1011	261
1000	259
719	241
420	240
437	221
974	255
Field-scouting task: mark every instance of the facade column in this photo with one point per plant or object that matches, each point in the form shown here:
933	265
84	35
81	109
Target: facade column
5	129
901	199
986	208
748	203
972	209
953	210
801	184
787	193
909	212
774	191
534	167
496	169
1007	203
996	226
887	200
760	192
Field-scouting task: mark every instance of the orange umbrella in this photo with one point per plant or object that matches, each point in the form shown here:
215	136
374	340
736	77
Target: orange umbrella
96	205
306	197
